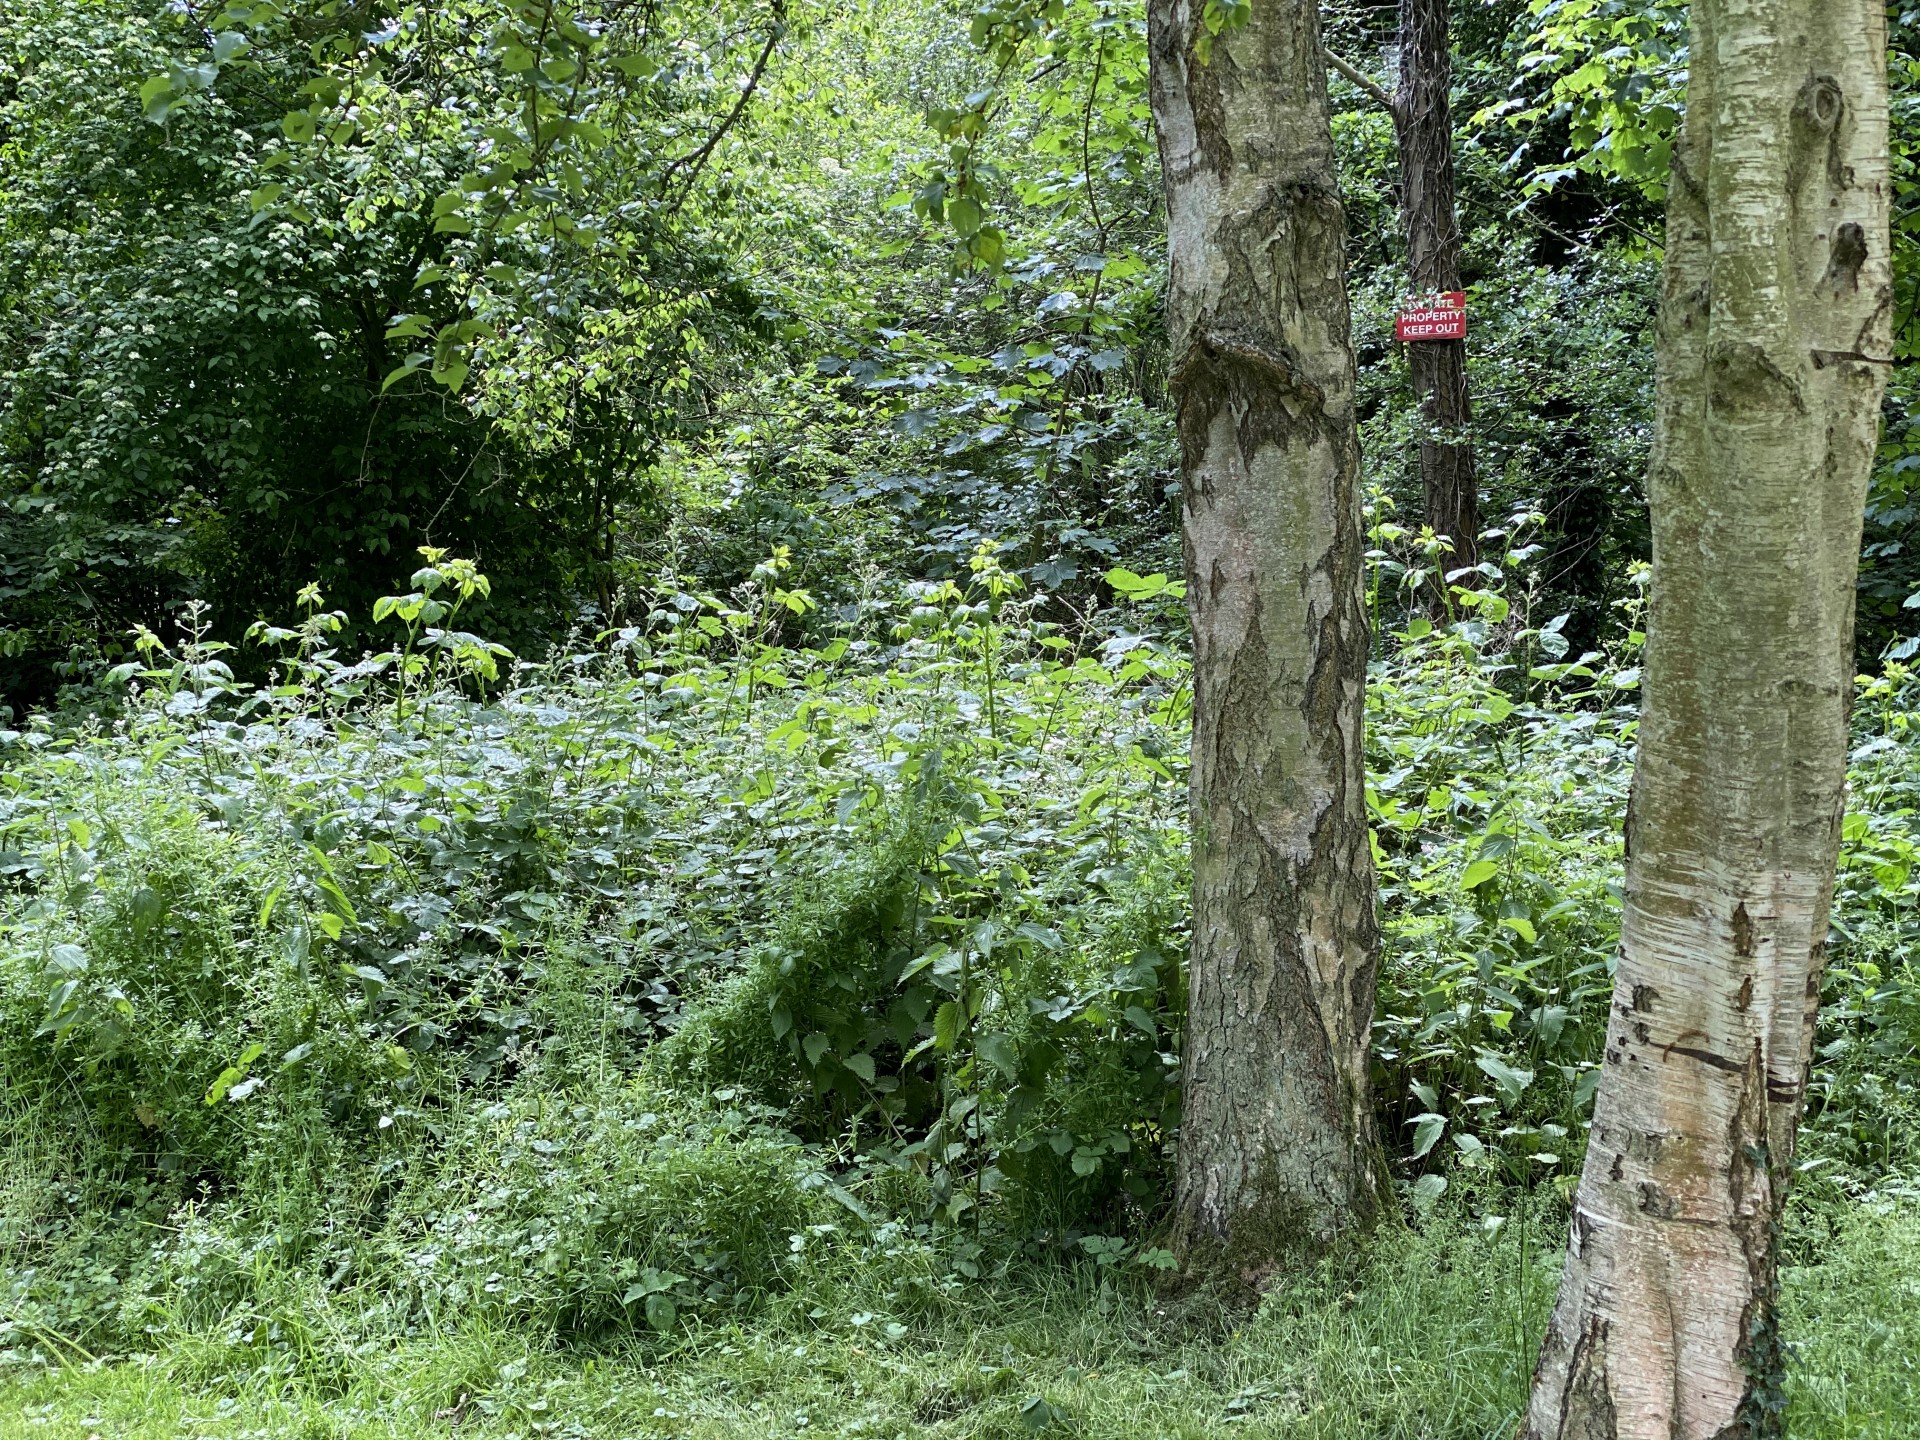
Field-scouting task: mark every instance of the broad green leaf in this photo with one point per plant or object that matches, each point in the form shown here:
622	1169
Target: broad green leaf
1427	1130
158	99
1508	1080
947	1022
998	1050
234	1073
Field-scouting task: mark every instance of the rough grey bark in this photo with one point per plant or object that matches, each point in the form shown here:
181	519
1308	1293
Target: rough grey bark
1423	124
1774	343
1277	1142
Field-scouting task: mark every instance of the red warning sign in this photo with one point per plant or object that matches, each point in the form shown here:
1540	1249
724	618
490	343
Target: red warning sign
1433	317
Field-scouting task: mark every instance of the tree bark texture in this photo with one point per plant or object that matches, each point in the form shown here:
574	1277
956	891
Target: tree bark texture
1277	1142
1423	123
1774	341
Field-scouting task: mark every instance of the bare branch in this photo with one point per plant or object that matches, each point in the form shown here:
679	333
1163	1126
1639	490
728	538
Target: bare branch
694	163
1360	77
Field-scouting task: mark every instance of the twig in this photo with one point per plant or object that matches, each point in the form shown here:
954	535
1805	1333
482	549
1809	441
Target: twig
697	161
1360	77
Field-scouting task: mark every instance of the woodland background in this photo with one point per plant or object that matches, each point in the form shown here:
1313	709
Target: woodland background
698	950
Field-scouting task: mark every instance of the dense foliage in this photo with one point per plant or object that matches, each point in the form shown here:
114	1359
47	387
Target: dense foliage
380	969
284	327
742	908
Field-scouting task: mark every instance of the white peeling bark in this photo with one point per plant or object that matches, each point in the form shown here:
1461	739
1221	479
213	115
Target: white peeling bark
1277	1143
1775	335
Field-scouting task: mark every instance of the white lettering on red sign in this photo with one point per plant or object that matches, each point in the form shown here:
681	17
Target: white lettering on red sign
1434	317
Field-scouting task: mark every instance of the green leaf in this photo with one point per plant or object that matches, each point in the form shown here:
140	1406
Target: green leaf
987	246
394	377
337	898
157	98
147	908
998	1050
298	125
651	1282
68	960
1478	873
815	1046
1509	1081
661	1311
1040	1413
946	1025
259	199
861	1065
234	1073
1426	1133
1520	926
408	327
1427	1191
453	374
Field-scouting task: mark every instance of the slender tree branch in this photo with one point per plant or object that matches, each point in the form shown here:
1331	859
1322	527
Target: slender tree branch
1360	77
697	161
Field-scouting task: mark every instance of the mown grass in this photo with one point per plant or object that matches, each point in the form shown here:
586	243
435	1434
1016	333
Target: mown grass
1430	1339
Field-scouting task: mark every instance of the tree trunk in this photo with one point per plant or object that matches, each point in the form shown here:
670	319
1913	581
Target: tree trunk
1277	1142
1423	123
1773	347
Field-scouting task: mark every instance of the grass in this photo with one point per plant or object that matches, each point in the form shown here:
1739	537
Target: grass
1431	1339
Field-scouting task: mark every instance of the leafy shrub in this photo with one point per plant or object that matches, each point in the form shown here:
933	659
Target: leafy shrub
952	995
1499	766
586	1217
263	948
1864	1097
600	981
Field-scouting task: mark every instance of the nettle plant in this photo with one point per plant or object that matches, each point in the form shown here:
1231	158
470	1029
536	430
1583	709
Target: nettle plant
918	893
284	933
1498	773
986	1001
428	619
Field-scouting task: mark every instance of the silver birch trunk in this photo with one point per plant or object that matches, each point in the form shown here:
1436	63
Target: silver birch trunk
1774	343
1277	1141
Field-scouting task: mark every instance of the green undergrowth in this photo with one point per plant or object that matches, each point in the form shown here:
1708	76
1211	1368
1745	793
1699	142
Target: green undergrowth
1432	1340
694	1012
